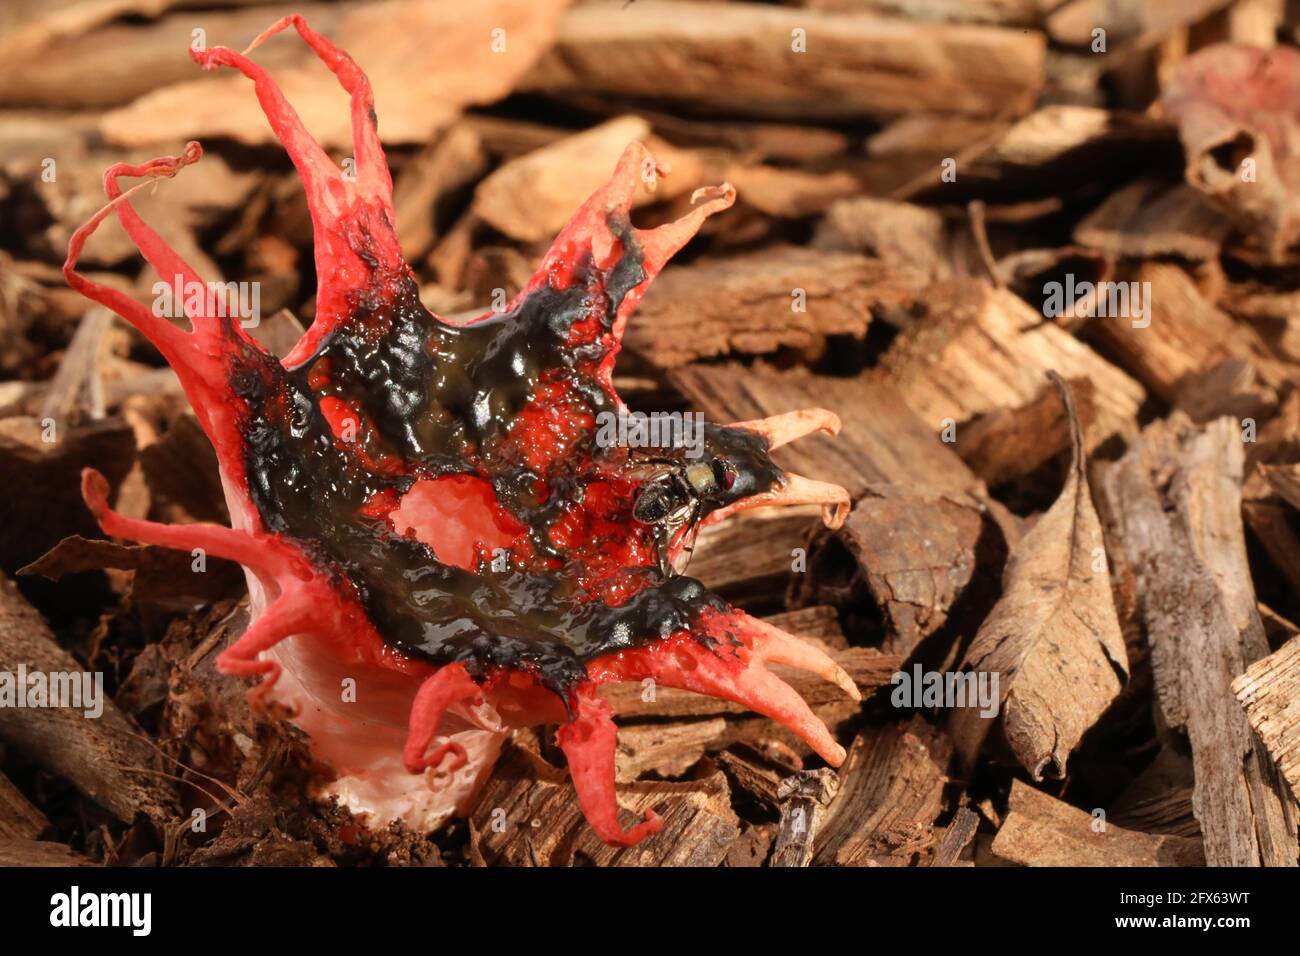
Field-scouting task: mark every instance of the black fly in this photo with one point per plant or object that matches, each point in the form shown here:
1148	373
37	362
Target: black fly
676	495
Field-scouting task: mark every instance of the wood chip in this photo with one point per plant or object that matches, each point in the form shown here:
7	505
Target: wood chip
750	560
35	523
916	551
890	794
753	846
955	838
78	372
532	197
1009	443
790	193
1285	482
1269	691
130	59
983	348
1183	333
900	233
1042	831
426	59
1062	145
1175	500
804	798
667	749
449	163
1228	388
742	58
1024	13
1159	800
1128	22
757	778
783	296
528	815
14	852
19	820
1148	218
107	759
182	468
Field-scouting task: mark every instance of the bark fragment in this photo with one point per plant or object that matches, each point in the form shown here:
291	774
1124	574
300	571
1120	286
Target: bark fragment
1176	501
1042	831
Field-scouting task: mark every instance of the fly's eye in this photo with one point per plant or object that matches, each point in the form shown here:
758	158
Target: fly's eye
724	472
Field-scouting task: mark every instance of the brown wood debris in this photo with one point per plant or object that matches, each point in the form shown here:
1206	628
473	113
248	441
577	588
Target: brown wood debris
1268	691
889	797
527	816
757	303
39	853
804	798
1195	335
668	48
1042	831
956	837
1148	218
1009	443
1176	496
982	348
19	819
105	756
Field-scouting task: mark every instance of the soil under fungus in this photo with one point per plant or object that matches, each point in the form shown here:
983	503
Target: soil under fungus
422	506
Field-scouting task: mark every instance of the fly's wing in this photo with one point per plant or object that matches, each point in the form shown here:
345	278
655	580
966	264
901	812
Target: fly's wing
684	549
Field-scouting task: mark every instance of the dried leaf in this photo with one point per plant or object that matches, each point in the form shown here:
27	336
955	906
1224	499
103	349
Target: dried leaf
163	576
1054	638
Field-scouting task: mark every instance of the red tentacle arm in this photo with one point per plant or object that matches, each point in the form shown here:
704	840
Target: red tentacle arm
589	742
201	357
352	216
174	342
373	177
165	261
776	646
294	612
590	229
263	553
302	603
795	490
728	671
787	427
449	685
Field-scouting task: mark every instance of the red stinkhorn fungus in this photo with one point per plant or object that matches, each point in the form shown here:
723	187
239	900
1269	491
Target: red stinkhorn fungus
421	506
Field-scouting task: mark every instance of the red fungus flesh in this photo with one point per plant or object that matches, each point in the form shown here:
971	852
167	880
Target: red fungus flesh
425	503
